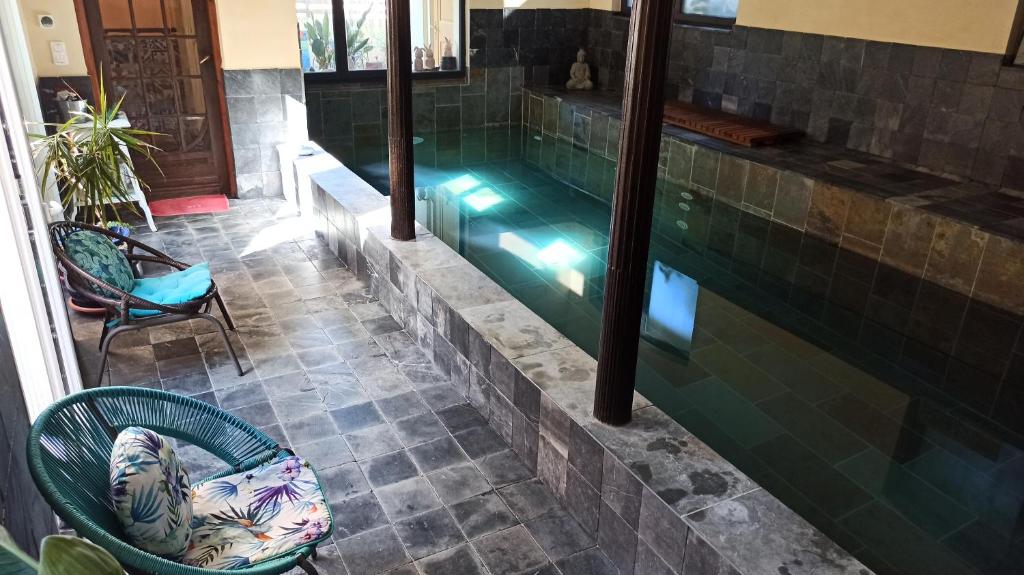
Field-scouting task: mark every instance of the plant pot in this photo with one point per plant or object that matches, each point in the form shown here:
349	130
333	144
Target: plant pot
83	306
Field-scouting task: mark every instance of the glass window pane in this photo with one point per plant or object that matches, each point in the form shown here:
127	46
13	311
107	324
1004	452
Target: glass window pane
436	25
714	8
366	34
180	20
149	16
115	15
316	35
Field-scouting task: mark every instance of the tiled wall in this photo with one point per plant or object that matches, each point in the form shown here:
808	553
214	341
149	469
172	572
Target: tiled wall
23	511
544	42
950	111
265	108
912	286
352	119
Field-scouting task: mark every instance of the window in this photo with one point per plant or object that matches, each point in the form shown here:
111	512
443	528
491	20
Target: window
701	12
361	52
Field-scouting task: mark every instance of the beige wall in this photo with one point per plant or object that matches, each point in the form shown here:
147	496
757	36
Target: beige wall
65	30
258	34
978	25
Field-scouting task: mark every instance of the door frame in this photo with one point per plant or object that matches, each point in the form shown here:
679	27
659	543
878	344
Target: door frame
211	10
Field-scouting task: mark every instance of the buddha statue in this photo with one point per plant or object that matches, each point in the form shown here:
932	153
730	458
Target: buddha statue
579	74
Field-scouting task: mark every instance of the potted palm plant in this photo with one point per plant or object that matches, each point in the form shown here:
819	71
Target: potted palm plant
88	158
58	555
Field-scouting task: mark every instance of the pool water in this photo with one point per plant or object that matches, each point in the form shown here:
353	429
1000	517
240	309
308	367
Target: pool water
833	415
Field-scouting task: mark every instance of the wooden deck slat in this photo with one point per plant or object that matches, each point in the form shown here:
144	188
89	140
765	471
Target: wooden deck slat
728	127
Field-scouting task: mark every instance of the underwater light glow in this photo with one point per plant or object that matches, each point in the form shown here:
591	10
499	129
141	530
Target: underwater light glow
484	199
461	184
560	255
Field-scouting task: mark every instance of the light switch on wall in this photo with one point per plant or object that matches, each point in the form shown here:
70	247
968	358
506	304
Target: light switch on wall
59	53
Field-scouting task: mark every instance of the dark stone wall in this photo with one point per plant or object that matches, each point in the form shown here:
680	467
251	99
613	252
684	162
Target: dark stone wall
950	111
544	42
23	511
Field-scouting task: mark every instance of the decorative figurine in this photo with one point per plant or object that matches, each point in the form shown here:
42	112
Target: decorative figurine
448	60
579	74
417	59
428	59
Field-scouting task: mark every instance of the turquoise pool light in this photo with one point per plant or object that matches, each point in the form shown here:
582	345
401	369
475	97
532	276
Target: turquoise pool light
484	199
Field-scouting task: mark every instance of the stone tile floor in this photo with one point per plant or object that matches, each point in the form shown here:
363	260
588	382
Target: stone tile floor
416	479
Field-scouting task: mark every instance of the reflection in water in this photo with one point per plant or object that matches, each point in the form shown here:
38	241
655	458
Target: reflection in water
672	309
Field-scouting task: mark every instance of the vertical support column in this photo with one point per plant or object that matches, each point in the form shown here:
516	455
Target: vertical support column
632	209
400	160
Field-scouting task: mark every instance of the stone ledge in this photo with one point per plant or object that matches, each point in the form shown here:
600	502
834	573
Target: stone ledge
655	496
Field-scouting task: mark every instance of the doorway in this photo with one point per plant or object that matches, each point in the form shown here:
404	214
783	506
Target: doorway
160	55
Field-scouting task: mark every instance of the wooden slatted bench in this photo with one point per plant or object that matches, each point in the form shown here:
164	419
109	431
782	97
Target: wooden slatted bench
726	126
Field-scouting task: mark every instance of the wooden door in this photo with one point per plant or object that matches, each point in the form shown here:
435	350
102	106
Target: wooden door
160	55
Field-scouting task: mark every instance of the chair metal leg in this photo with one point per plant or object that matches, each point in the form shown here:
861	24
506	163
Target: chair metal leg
308	567
224	312
224	336
105	341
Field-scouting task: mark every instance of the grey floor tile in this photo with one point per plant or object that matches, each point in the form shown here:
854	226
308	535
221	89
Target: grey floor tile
401	406
429	533
258	414
510	552
328	560
461	560
288	384
419	429
442	396
193	384
483	514
407	498
528	499
357	514
559	535
298	405
309	429
437	454
390	468
373	441
325	453
373	552
356	417
503	468
343	482
461	417
458	482
480	441
590	562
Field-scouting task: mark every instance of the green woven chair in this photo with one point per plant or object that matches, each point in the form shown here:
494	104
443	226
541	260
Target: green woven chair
69	456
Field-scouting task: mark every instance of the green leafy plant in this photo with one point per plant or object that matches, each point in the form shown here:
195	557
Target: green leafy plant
90	161
320	34
356	41
58	555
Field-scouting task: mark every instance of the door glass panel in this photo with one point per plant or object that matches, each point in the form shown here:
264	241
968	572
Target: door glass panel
193	100
169	139
134	104
180	19
149	17
115	15
121	60
196	134
317	49
186	57
160	97
155	55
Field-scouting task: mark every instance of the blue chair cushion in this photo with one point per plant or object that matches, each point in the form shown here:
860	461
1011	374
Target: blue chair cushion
174	288
100	258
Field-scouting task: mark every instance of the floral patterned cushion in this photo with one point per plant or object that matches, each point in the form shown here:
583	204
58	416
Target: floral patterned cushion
101	259
257	515
151	493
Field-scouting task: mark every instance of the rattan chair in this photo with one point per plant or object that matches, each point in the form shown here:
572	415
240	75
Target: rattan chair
69	451
122	314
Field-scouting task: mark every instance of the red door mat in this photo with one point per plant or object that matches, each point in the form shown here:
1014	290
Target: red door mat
190	205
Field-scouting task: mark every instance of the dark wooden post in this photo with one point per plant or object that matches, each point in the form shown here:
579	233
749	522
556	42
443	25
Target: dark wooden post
632	209
400	160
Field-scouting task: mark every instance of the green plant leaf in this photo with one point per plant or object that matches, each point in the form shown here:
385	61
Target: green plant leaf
14	561
72	556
